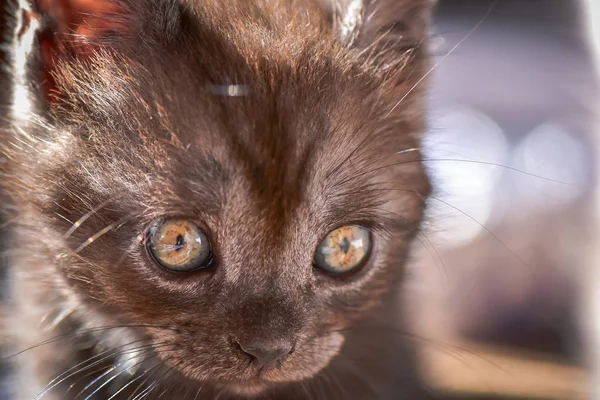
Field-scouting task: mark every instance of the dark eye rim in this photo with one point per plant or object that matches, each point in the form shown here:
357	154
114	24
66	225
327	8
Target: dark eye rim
209	265
359	267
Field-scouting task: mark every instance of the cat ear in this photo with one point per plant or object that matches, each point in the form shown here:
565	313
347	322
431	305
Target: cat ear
390	36
365	23
71	31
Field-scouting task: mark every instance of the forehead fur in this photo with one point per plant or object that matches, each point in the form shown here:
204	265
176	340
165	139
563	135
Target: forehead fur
149	115
309	102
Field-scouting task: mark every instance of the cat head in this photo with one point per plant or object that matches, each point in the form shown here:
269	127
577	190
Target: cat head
240	180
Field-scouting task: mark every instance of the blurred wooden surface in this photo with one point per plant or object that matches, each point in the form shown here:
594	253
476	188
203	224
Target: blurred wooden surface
472	371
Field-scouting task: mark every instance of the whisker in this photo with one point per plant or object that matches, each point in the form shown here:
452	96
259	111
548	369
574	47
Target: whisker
426	160
305	388
491	164
104	356
8	222
80	333
139	239
469	34
102	232
134	380
153	386
411	150
429	245
321	387
85	217
119	373
165	392
144	382
108	368
86	376
326	383
219	394
450	348
59	215
352	369
341	389
58	318
350	155
488	230
450	52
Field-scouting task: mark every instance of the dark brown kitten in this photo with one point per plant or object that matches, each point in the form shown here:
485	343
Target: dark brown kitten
214	198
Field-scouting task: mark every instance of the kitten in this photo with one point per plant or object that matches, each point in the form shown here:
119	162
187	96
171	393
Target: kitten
214	198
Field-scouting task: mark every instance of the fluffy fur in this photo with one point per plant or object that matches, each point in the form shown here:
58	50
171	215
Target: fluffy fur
120	119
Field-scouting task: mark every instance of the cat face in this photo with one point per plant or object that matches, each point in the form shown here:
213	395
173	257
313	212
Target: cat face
235	180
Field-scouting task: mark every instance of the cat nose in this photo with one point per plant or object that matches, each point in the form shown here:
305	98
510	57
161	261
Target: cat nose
266	354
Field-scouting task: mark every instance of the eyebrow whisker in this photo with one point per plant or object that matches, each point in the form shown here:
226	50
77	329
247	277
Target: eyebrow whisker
102	232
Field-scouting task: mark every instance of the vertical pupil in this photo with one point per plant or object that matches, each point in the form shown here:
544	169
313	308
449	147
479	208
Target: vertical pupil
179	243
345	245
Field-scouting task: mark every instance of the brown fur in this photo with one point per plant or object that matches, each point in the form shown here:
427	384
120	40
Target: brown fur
129	130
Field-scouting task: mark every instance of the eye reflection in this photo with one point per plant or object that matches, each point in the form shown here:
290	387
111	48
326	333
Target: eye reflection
343	250
179	245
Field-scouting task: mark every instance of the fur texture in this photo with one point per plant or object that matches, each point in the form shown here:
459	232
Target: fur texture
266	122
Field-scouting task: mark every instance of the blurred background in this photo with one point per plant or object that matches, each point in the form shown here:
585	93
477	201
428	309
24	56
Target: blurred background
501	264
495	294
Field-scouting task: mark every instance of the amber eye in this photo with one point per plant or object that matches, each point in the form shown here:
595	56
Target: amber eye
179	245
343	250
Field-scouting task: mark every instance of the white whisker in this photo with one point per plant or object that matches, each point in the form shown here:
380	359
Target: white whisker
452	50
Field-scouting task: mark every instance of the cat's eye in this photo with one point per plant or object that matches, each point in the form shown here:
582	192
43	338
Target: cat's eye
343	250
179	245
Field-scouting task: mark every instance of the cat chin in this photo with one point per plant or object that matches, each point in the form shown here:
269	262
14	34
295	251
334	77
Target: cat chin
252	388
249	390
